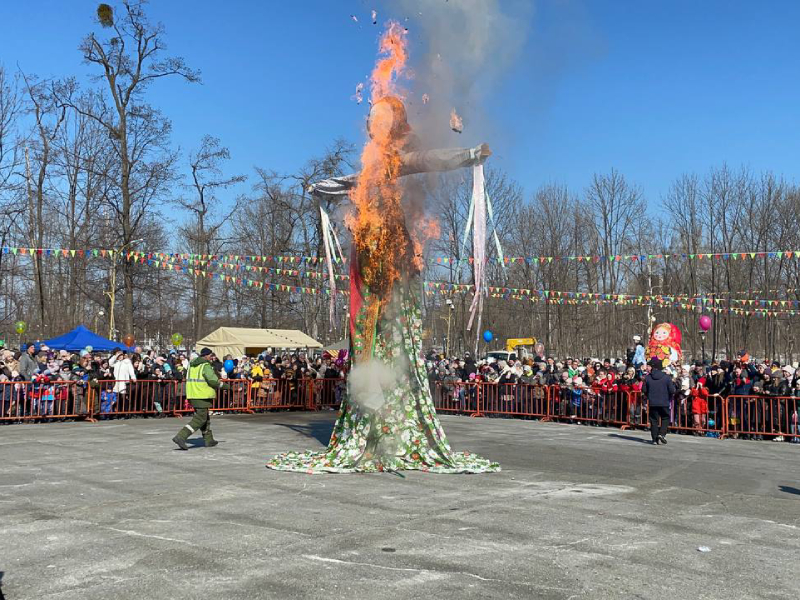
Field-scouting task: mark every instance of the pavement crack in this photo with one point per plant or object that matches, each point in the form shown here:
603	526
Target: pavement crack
146	535
434	571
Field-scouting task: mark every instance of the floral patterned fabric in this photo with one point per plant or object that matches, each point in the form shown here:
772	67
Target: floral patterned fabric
405	433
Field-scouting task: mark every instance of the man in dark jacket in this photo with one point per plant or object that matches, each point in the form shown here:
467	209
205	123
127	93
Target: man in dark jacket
658	388
469	367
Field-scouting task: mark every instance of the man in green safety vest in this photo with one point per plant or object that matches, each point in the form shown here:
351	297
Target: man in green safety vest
201	389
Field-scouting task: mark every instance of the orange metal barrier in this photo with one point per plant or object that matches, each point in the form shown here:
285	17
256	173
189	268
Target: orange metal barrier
141	397
685	416
269	394
614	408
235	399
279	393
582	405
638	416
22	401
325	393
759	416
458	398
513	399
712	419
762	416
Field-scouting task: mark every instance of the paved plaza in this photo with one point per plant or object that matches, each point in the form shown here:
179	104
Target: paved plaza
113	511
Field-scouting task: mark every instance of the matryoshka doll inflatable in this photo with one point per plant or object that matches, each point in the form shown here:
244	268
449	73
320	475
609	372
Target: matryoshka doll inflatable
665	344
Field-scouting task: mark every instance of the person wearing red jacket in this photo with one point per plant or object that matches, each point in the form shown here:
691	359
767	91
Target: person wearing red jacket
699	394
630	387
606	387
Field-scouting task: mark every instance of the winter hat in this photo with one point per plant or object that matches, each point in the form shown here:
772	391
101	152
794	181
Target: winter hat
655	364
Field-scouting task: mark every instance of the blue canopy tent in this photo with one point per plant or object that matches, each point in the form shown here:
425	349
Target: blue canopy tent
79	338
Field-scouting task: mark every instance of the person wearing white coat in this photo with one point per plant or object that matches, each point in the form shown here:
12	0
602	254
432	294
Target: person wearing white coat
123	371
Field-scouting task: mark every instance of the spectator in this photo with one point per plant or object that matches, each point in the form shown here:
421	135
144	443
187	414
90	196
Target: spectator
658	389
795	400
123	374
699	396
28	365
638	353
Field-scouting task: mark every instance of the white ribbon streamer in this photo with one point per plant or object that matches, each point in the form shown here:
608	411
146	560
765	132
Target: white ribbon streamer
478	242
330	254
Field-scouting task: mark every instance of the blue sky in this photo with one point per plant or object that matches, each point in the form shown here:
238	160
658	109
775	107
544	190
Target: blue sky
653	89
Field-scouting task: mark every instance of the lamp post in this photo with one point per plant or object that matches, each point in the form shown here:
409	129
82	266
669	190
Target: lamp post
703	344
99	314
112	294
450	308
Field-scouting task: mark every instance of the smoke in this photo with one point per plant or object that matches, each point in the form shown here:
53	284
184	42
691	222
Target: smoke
370	383
460	51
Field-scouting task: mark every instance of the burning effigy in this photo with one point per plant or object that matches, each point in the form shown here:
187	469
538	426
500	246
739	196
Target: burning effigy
388	422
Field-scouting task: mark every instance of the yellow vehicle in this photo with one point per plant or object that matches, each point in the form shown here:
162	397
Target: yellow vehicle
516	348
513	343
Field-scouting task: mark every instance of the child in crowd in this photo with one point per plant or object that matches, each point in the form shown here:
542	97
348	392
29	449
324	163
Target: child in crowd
699	395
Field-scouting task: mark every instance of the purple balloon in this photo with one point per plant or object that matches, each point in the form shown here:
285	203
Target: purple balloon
705	323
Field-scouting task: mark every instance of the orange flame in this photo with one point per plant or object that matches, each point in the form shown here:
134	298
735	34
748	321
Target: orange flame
382	242
456	123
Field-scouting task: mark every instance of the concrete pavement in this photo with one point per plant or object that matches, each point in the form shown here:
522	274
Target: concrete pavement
111	510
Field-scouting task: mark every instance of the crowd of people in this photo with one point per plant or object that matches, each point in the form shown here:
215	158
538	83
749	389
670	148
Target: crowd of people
37	380
597	391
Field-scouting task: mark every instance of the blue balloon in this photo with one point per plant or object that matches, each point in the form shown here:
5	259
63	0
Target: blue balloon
488	336
229	366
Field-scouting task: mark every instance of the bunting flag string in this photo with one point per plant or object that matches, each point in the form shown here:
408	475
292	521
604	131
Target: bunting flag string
136	254
549	296
596	258
246	281
440	260
235	258
703	301
243	268
239	268
634	303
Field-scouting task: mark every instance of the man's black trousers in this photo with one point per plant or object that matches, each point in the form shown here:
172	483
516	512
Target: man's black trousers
659	421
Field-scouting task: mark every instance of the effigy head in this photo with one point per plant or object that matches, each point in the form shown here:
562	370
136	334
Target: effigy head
388	118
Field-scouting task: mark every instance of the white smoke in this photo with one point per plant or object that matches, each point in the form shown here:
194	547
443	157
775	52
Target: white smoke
460	49
370	384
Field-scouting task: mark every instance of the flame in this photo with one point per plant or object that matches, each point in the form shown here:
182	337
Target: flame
425	228
456	124
381	240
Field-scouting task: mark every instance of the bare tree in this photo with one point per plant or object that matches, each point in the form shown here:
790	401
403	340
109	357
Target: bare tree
203	231
48	118
130	60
